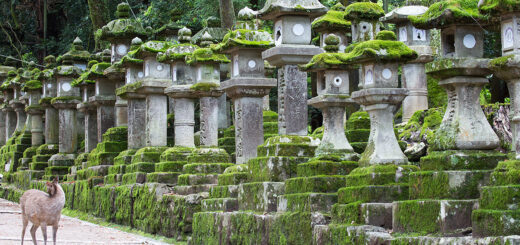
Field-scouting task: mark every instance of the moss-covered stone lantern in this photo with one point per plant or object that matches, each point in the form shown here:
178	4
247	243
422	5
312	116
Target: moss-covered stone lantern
183	77
8	94
206	64
413	74
17	103
247	87
157	77
66	102
246	19
292	37
51	113
333	97
33	89
136	111
4	70
333	22
365	20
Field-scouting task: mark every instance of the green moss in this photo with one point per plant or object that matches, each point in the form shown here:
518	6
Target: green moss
33	107
495	222
125	28
444	13
500	62
64	99
364	11
204	86
386	35
332	20
203	55
346	213
245	38
437	96
417	216
128	88
32	85
321	184
177	52
461	160
291	228
497	7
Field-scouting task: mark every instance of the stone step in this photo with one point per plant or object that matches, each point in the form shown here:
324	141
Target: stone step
321	167
117	169
448	184
197	179
233	178
113	179
321	184
148	154
124	157
39	165
500	197
488	223
170	166
226	191
95	171
61	162
20	148
270	128
116	134
376	214
380	175
373	193
432	216
134	178
286	149
146	167
176	154
275	169
163	177
220	204
307	202
270	116
461	160
209	155
260	196
206	168
47	149
111	146
192	189
41	158
47	177
102	158
57	170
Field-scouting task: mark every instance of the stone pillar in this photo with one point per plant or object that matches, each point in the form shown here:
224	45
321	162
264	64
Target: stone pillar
105	117
21	117
249	127
209	121
184	111
10	122
136	123
68	133
333	128
121	109
156	119
37	128
292	101
414	79
2	127
91	129
51	125
223	112
266	106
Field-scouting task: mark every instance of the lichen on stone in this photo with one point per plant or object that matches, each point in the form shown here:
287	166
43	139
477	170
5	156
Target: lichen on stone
447	12
204	86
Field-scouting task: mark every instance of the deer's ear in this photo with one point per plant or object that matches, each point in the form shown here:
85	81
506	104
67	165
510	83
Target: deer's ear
48	183
55	181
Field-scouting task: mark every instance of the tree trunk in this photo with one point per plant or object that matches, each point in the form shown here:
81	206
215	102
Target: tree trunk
227	14
98	13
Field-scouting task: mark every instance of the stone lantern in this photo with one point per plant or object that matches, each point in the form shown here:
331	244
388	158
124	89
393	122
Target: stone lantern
413	74
119	33
206	64
33	90
247	87
10	114
292	36
380	95
157	77
136	102
333	22
66	102
4	70
365	20
333	97
183	77
17	102
507	67
51	131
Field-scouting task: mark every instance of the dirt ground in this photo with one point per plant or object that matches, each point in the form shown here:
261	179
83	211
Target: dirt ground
71	231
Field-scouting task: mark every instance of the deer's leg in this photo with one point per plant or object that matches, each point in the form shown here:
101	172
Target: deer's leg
54	231
33	233
25	223
44	232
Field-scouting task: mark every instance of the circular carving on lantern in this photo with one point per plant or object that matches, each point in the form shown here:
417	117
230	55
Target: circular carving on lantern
159	67
251	64
469	41
121	49
140	74
364	26
387	73
337	81
298	29
49	85
66	87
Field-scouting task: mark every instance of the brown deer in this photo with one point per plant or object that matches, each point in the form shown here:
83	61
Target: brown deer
42	209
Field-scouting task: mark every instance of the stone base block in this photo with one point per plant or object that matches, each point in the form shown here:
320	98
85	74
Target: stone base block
488	222
506	173
161	177
233	178
125	157
307	202
373	193
146	167
176	154
226	191
113	179
41	158
62	160
56	170
260	196
350	234
111	146
47	149
432	216
133	178
321	184
19	147
220	204
170	166
448	184
192	189
197	179
380	175
274	168
286	149
376	214
322	167
117	169
206	168
39	165
148	154
95	171
500	197
209	155
461	160
102	158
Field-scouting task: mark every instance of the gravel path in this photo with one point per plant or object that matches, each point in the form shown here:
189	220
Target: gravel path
71	231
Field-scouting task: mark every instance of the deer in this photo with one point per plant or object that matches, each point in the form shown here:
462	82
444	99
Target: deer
42	209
